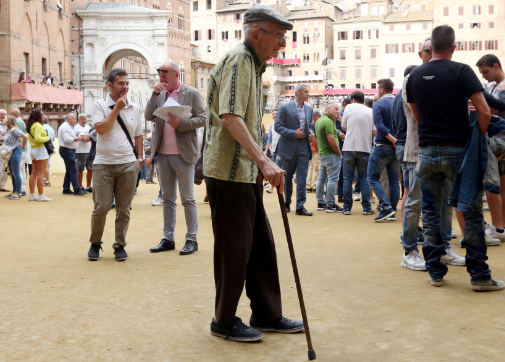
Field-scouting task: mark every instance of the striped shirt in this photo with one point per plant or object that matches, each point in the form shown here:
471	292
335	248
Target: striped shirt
12	138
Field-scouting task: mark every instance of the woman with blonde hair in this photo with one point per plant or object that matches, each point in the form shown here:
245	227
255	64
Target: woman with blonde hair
37	136
12	142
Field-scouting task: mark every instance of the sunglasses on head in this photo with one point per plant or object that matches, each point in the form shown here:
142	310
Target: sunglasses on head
163	71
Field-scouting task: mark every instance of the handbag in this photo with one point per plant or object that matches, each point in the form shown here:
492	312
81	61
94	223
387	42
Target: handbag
123	127
5	153
48	145
199	164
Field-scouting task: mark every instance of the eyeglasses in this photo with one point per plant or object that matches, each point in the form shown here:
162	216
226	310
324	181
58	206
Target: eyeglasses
427	50
163	71
281	38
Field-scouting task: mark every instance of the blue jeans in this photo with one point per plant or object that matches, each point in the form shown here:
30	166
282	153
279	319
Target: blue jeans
384	157
356	160
14	164
70	170
437	165
329	170
299	163
143	171
340	187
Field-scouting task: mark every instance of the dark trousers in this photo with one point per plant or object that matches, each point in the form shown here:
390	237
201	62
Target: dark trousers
244	250
70	169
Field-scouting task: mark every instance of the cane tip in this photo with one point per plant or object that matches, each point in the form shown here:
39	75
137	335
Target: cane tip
312	354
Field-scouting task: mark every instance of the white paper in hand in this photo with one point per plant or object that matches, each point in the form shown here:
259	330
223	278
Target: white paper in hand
174	108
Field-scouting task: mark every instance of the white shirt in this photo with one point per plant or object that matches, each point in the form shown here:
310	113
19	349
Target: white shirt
84	147
66	136
113	148
358	120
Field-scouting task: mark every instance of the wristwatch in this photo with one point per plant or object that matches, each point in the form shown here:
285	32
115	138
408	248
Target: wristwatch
140	159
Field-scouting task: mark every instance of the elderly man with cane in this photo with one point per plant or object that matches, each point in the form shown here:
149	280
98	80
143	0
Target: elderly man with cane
234	166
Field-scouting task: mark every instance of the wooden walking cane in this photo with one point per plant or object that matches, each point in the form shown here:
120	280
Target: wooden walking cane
312	353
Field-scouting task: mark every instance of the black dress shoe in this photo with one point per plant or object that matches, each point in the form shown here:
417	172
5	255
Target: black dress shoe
281	325
288	208
68	192
190	247
303	212
164	245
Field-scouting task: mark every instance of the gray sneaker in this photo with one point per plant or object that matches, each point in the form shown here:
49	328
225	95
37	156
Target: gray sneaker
489	285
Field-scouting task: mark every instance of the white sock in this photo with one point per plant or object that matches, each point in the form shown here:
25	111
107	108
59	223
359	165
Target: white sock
41	195
32	195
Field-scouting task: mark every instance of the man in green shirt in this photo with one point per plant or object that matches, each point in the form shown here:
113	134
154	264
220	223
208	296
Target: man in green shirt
331	159
244	248
24	154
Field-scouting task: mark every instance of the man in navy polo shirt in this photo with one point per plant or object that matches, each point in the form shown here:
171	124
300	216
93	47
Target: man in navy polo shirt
384	155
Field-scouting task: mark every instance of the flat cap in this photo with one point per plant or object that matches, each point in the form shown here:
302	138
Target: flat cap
265	13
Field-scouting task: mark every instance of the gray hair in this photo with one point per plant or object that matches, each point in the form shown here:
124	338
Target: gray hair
330	105
173	65
424	42
317	113
249	27
66	117
82	115
300	86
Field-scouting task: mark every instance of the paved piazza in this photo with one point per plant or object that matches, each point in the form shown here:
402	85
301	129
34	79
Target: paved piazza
55	305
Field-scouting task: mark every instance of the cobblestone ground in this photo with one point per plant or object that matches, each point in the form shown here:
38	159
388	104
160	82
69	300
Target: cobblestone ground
55	305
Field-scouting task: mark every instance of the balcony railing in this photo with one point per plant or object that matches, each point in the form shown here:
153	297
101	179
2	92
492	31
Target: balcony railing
28	95
283	62
298	79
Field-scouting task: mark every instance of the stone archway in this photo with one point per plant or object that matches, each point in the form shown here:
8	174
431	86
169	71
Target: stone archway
113	31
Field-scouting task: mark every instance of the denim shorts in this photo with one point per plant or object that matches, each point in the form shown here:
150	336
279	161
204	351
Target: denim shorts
38	154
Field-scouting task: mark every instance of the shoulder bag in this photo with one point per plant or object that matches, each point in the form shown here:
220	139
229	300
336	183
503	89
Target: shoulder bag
5	153
127	134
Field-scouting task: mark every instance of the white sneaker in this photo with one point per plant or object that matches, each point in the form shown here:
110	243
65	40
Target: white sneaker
413	261
33	198
492	233
485	208
484	198
372	200
357	196
157	202
453	234
452	258
42	198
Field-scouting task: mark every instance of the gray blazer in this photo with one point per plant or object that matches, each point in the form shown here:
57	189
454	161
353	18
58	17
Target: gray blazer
186	134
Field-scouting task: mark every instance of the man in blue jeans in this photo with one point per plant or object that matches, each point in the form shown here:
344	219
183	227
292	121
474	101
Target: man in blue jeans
383	155
68	142
331	159
358	123
438	93
341	134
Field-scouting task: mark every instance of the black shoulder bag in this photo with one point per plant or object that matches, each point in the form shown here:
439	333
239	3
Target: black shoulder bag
123	127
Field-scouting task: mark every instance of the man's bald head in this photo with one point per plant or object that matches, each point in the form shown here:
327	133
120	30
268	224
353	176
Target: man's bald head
15	112
170	65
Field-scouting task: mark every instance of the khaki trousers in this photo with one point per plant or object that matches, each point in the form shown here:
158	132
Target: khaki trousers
109	180
313	171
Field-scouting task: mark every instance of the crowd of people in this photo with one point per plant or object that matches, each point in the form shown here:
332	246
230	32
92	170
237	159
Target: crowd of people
436	145
47	81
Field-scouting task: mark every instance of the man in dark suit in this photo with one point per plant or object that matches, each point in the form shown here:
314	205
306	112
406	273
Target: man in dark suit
292	123
175	142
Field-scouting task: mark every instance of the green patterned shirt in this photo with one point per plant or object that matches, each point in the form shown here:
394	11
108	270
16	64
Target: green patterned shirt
236	87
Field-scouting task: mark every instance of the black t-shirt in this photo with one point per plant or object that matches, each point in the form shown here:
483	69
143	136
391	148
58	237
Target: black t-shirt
441	89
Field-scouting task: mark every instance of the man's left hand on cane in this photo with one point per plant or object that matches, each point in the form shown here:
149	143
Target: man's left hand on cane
273	174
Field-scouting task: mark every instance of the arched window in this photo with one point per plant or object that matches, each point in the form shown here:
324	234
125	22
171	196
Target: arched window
382	9
373	10
180	19
181	73
169	6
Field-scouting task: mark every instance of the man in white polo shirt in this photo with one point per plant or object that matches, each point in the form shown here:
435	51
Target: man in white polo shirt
116	165
358	122
68	142
83	159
